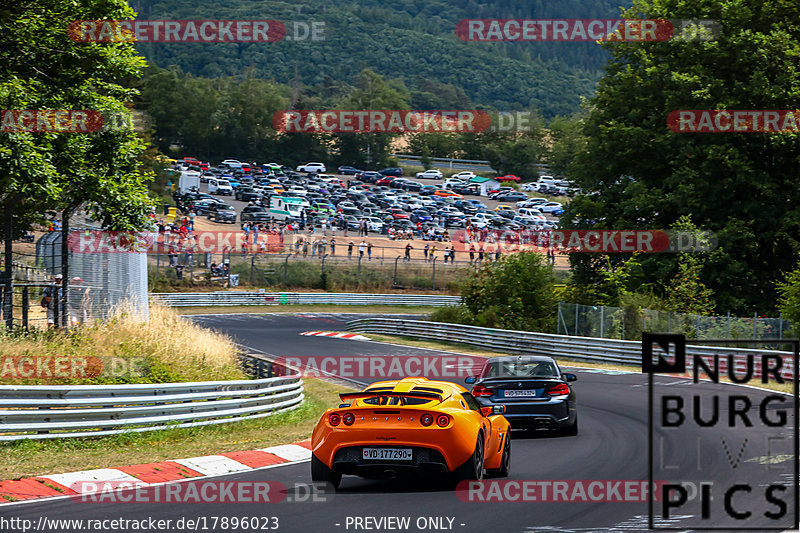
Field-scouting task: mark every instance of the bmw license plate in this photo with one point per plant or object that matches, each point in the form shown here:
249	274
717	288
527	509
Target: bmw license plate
520	393
387	454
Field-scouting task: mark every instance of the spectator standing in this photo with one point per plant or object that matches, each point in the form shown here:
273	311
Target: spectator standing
333	245
350	250
369	251
408	252
362	247
425	251
471	253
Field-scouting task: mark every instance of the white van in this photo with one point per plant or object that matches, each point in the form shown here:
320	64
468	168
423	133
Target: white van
285	208
530	212
219	186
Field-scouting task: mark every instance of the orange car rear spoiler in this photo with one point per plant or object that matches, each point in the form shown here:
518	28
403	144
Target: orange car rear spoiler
373	394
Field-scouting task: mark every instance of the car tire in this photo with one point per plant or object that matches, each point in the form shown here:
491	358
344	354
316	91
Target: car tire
571	430
321	473
505	462
472	470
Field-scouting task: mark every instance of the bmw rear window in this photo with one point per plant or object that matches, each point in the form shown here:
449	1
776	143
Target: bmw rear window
520	368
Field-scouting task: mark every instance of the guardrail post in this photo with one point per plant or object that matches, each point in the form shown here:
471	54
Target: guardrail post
322	271
394	281
602	313
25	300
433	274
576	320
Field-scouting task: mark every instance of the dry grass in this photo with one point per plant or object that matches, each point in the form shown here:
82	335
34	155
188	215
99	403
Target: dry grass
31	458
124	349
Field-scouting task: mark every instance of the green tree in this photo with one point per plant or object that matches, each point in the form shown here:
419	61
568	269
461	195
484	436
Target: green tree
789	295
647	176
516	292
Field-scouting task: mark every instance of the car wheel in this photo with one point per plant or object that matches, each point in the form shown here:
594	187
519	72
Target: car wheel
472	470
505	462
321	473
571	431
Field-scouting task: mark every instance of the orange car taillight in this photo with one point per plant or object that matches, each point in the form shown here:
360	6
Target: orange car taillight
426	419
557	390
480	390
348	419
334	419
442	420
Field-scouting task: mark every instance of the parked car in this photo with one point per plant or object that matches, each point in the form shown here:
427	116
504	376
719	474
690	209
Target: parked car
347	170
247	194
254	213
220	186
431	174
391	171
311	167
222	213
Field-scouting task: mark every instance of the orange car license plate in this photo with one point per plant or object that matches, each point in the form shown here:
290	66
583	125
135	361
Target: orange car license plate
390	454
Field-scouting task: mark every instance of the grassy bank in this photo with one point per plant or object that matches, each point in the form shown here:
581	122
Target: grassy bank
124	349
31	458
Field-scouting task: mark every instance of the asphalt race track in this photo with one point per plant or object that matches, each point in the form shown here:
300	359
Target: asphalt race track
612	445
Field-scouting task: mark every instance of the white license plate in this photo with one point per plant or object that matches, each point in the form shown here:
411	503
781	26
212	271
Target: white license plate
520	393
387	454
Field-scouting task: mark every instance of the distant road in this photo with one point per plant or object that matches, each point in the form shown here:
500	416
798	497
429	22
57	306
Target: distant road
475	167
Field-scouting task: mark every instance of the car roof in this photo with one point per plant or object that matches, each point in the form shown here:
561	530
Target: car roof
419	384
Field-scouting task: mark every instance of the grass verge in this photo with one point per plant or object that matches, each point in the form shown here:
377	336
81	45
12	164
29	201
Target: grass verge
31	458
123	349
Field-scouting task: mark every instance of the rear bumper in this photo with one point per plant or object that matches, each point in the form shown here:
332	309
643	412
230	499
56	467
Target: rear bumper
349	460
551	414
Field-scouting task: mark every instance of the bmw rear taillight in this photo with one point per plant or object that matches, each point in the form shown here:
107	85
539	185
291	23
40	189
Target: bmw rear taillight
426	419
480	390
558	390
334	419
442	420
348	419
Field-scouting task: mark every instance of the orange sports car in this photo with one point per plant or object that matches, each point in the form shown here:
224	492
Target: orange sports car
411	426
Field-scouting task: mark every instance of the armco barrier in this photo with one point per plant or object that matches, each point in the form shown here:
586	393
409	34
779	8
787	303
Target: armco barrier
589	349
45	412
230	298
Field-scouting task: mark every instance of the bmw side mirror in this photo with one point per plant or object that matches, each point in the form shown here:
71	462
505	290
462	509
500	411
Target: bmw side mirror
470	379
571	377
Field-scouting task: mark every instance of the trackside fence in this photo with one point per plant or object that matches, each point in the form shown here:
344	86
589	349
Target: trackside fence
230	298
587	349
46	412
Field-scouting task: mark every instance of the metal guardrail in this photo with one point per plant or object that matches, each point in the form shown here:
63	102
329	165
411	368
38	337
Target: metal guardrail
60	411
229	298
589	349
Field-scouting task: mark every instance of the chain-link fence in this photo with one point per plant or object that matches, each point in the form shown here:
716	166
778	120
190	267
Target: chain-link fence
629	323
99	284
